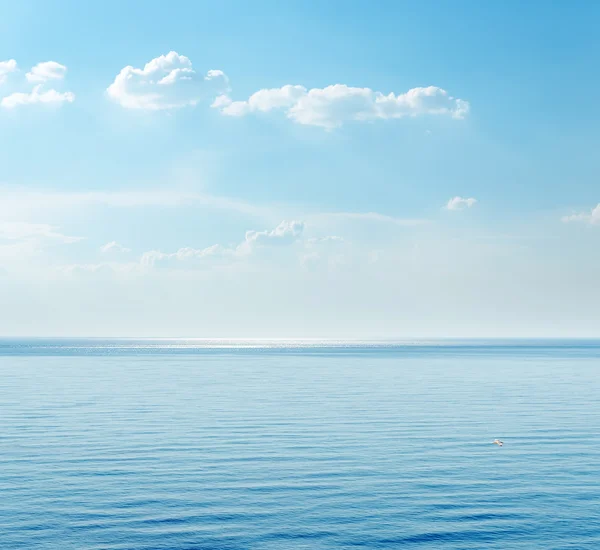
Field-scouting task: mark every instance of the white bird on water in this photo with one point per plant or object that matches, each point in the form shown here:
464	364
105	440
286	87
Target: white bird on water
497	442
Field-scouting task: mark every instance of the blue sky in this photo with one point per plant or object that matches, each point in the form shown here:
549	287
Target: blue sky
299	169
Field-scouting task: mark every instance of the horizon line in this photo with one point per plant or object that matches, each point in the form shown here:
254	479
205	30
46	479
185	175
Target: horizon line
398	339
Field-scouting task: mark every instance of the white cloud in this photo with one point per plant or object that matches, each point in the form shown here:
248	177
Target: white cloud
330	107
37	95
21	201
285	233
47	70
186	254
263	100
592	217
320	240
20	231
166	82
460	203
7	67
113	246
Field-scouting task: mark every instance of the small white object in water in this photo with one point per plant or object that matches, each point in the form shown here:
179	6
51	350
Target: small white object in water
497	442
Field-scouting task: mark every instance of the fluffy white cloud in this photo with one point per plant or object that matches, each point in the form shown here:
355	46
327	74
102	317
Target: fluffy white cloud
263	100
7	67
460	203
330	107
39	76
113	246
47	70
592	217
285	233
166	82
37	95
20	231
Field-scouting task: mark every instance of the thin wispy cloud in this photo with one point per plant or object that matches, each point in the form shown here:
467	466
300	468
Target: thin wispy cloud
18	199
367	217
114	247
100	269
22	231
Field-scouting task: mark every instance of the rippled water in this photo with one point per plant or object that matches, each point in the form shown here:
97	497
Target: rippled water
188	445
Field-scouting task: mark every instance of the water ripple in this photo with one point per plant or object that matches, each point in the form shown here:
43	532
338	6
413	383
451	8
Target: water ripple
181	446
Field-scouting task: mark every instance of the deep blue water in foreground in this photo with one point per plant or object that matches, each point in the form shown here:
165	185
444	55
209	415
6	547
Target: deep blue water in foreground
211	445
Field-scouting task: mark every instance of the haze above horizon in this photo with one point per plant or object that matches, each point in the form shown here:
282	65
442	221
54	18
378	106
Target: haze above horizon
329	170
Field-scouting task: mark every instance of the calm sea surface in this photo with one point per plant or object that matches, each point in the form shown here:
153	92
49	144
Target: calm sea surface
185	445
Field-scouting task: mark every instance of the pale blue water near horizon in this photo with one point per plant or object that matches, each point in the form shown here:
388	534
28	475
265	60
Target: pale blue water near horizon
188	444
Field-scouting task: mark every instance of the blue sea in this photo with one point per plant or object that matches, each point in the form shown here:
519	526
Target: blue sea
229	445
